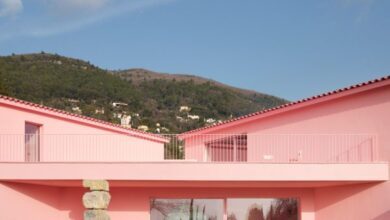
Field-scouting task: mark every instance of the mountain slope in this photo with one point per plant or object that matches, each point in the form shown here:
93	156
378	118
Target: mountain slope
150	98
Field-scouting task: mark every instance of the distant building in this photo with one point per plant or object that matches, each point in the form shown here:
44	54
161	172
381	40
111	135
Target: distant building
118	104
143	128
210	120
99	111
184	109
77	110
73	101
181	119
164	129
193	117
58	62
126	120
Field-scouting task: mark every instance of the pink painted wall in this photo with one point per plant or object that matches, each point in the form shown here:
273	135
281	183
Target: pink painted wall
363	113
69	141
64	203
354	202
25	201
347	129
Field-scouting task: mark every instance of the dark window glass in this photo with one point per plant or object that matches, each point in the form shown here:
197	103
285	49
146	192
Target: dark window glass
186	209
262	209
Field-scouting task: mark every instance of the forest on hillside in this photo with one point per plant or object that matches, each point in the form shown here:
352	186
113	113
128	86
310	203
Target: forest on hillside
80	87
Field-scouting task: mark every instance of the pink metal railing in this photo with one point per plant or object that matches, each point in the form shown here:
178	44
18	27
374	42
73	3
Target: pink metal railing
239	148
278	148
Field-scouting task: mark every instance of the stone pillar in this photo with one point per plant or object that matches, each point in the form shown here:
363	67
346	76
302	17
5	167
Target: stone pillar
97	200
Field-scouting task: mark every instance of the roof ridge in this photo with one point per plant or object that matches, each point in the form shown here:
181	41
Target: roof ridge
326	94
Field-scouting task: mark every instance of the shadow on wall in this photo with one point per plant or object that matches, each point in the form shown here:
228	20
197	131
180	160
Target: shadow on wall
124	203
65	203
383	216
41	194
360	201
71	202
329	196
28	201
43	202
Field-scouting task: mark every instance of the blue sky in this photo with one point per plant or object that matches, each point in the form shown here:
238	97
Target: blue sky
292	49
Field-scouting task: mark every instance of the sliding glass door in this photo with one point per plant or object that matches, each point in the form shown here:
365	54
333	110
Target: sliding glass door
225	209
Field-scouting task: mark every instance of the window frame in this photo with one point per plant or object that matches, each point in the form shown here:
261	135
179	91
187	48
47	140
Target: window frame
39	144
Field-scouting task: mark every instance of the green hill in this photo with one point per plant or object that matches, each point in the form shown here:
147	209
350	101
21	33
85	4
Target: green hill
78	86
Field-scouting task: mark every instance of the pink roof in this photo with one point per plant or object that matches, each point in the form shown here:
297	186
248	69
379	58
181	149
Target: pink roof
41	109
294	105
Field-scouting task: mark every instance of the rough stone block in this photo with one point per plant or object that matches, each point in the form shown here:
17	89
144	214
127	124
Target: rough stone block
96	215
96	185
96	200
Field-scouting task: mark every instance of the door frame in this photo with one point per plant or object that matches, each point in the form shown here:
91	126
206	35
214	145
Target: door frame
38	147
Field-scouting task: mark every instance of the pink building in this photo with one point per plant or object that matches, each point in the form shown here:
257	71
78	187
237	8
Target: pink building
322	158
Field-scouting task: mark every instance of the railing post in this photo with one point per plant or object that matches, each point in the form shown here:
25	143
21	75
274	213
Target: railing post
375	150
234	148
288	147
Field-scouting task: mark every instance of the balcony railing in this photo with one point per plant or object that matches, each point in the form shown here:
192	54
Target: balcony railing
238	148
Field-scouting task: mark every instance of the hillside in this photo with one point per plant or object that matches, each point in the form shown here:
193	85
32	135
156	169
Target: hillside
137	75
150	98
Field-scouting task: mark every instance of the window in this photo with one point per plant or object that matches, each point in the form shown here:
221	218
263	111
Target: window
232	148
236	209
262	209
32	142
186	209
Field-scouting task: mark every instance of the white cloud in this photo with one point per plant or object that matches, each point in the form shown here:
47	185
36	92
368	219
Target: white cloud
61	16
362	7
10	7
71	5
77	21
82	3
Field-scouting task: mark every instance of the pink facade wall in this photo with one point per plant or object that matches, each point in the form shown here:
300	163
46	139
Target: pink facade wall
363	113
25	201
64	140
64	203
353	202
366	114
350	129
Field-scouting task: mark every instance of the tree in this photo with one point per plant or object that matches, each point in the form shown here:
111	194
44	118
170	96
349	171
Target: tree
270	214
3	89
255	213
232	217
192	209
285	209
